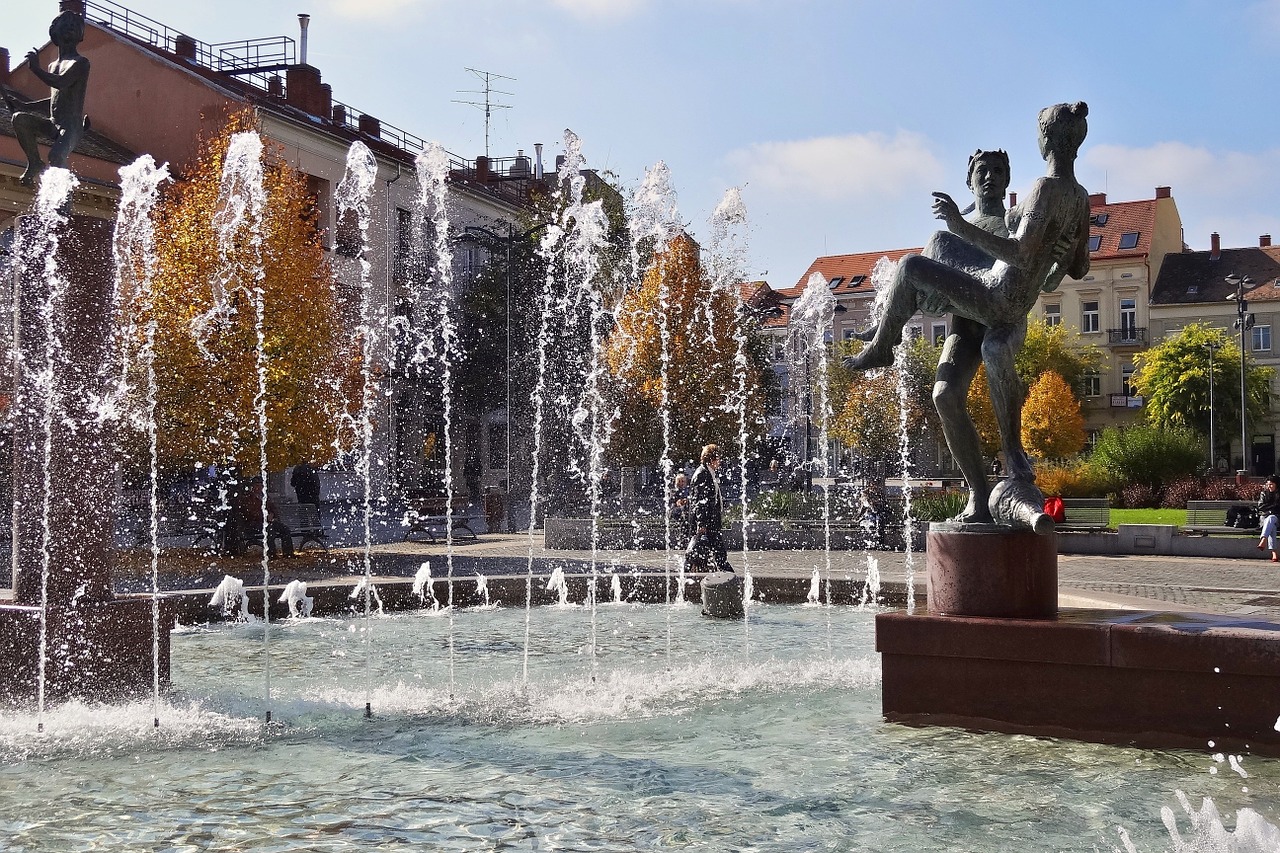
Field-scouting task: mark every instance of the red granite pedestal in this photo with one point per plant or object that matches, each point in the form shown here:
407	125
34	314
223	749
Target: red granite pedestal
1131	677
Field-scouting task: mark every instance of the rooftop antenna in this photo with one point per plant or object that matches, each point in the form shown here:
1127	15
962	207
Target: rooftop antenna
486	77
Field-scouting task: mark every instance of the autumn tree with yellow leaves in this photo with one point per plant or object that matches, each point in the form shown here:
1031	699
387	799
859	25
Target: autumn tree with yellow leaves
1052	426
205	386
701	348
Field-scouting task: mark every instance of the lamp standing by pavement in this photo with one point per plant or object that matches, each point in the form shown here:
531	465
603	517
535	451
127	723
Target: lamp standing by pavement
1211	346
1244	322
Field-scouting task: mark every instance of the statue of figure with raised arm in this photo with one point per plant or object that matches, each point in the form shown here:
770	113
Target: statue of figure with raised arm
61	115
990	280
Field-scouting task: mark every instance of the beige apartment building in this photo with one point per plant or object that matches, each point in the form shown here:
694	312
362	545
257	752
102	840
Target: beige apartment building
1108	308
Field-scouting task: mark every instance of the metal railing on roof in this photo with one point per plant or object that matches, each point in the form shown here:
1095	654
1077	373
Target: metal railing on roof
253	61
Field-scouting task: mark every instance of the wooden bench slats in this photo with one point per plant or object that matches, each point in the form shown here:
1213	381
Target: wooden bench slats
427	515
1211	517
1086	514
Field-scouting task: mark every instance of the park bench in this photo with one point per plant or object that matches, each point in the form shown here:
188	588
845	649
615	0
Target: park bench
1206	517
1085	514
304	521
428	515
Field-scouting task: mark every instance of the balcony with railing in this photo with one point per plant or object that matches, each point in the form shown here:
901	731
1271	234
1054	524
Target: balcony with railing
1127	336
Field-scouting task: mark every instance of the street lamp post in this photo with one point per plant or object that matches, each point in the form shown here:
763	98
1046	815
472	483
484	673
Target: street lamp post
474	232
1212	347
1244	322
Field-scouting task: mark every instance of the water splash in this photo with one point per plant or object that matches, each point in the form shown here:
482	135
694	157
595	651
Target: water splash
432	166
557	584
364	590
353	198
134	251
229	595
295	595
423	588
36	247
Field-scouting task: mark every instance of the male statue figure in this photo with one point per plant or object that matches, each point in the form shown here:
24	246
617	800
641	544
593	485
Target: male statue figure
62	114
991	279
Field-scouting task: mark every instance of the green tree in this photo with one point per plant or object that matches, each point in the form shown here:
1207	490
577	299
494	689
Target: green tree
1052	426
1056	348
1173	377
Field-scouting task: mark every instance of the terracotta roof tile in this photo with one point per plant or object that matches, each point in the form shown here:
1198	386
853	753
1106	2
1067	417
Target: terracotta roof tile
1110	222
847	268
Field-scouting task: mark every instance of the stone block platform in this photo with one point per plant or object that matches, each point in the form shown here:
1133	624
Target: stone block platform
1152	679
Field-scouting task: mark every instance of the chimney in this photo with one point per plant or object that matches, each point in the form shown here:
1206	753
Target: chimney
1264	241
76	6
537	161
1013	199
185	47
325	105
340	115
4	66
482	169
303	20
1164	192
559	162
1215	246
275	86
302	89
1097	199
370	126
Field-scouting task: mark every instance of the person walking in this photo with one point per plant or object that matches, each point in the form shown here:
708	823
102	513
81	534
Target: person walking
1268	506
708	512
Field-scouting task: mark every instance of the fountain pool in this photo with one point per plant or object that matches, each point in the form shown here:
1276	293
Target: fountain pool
775	747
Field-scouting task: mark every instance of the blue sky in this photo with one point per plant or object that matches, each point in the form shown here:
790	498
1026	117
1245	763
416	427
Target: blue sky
836	117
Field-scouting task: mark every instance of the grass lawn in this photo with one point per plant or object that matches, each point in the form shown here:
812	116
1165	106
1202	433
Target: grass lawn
1148	516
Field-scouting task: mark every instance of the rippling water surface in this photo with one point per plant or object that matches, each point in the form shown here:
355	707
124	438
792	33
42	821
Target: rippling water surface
718	745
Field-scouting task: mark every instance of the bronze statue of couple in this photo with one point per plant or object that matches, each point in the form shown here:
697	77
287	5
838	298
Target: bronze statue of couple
987	270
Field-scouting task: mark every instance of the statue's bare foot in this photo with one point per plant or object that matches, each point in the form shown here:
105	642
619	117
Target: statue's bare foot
32	174
974	512
876	354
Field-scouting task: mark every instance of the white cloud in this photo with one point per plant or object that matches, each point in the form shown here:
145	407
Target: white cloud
601	9
1230	192
1176	164
377	10
856	166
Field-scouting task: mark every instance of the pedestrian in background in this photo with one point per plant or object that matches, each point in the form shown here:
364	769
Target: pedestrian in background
708	512
1268	506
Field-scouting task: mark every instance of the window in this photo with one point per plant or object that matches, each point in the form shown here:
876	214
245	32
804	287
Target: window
1099	219
1129	240
1095	242
915	332
1052	313
1089	317
1091	384
349	240
404	243
1126	380
857	280
835	282
1128	319
1261	338
939	333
